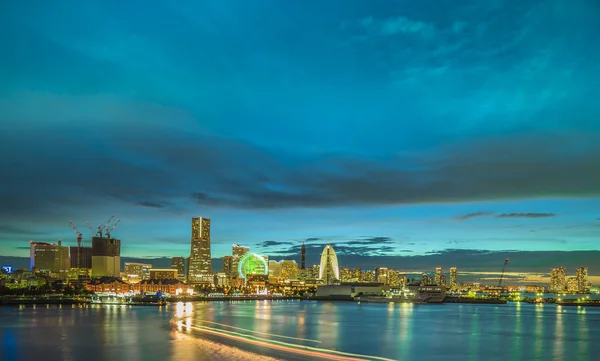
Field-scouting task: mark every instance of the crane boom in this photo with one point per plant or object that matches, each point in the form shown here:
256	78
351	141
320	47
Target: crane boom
79	238
90	228
502	274
108	231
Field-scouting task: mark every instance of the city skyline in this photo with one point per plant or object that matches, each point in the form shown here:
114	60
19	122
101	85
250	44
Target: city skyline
395	135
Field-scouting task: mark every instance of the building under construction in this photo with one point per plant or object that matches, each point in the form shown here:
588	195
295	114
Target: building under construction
106	257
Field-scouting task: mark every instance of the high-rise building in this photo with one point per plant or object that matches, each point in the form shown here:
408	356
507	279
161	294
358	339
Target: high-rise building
274	269
289	269
381	275
581	276
557	279
237	253
453	274
85	257
426	280
178	263
49	257
227	263
329	270
303	256
200	261
136	272
438	276
106	257
443	280
572	284
368	275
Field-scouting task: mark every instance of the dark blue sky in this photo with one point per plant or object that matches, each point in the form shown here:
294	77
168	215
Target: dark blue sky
383	127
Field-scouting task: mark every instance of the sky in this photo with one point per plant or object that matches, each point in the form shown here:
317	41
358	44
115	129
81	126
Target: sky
407	134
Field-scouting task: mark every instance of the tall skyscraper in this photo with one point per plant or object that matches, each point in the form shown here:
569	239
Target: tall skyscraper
328	269
178	263
438	276
106	257
200	261
85	257
453	274
557	279
581	277
303	256
289	269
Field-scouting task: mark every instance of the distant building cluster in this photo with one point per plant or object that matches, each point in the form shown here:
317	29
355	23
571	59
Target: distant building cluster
578	284
98	267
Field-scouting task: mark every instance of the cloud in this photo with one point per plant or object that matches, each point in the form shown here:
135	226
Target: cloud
473	215
265	244
526	215
370	241
152	204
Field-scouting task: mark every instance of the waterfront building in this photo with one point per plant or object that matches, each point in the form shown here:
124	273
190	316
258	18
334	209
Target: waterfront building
136	272
381	275
221	279
164	286
426	280
200	261
368	276
106	257
289	269
438	276
557	279
163	274
49	258
443	280
328	269
572	285
453	274
178	263
396	279
348	291
274	269
581	276
107	285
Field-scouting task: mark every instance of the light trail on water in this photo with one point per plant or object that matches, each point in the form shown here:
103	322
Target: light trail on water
261	333
282	346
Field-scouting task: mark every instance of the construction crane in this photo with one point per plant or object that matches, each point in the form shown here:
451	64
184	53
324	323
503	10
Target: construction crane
502	274
79	238
108	231
90	228
103	226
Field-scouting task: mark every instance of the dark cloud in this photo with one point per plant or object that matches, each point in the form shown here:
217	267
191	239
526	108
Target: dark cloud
152	204
473	215
526	215
265	244
370	241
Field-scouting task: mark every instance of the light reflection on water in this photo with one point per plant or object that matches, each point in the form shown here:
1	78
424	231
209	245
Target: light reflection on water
448	332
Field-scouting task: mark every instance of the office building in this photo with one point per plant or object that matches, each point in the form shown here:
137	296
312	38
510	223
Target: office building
178	263
49	257
237	253
227	265
106	257
289	269
453	274
136	272
200	261
329	271
274	269
572	284
163	274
